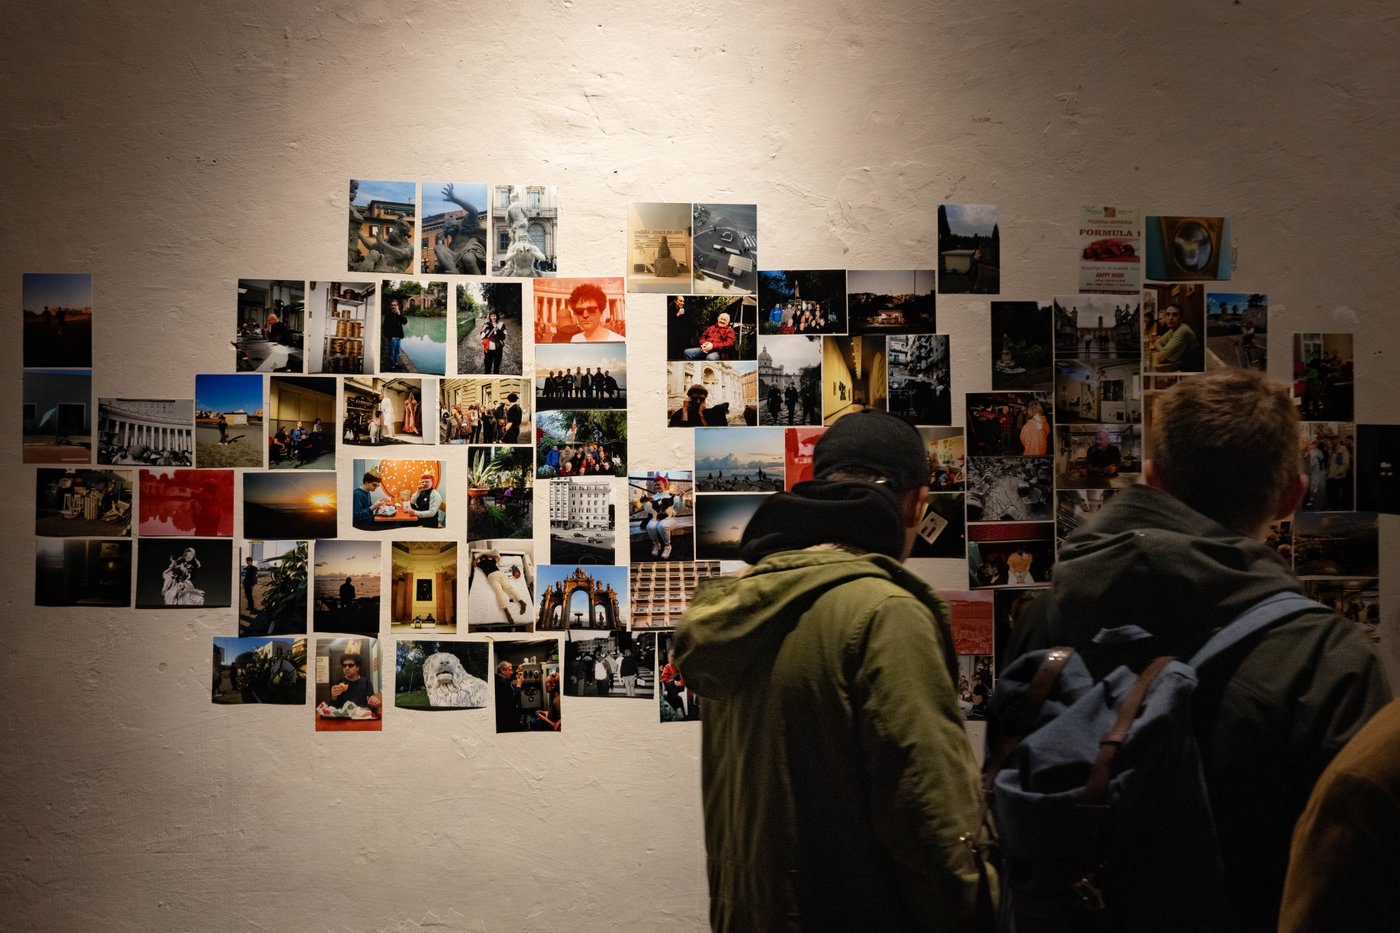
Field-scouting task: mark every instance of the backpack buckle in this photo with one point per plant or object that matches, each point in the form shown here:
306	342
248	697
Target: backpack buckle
1089	892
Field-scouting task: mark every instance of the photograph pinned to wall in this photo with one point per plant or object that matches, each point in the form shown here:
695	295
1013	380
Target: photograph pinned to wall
724	251
1356	599
661	516
969	249
1098	456
258	669
407	496
186	502
145	431
381	222
1237	327
580	376
393	410
1023	342
413	332
441	675
524	231
975	683
711	327
854	375
1329	464
1010	607
706	393
974	624
470	410
662	590
82	572
1074	507
500	492
1089	392
583	520
346	587
612	665
423	587
1094	328
80	502
799	444
526	683
228	420
720	521
277	506
573	596
57	320
301	422
1378	453
947	458
942	529
580	443
1279	539
658	247
455	239
789	380
888	301
342	327
1013	554
1110	254
1009	489
1172	320
677	703
349	685
1008	424
183	573
802	301
1336	544
1323	376
1181	249
733	460
920	380
500	585
272	576
489	328
269	330
56	424
591	310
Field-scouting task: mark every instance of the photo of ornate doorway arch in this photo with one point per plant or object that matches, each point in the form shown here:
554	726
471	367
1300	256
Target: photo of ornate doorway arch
573	597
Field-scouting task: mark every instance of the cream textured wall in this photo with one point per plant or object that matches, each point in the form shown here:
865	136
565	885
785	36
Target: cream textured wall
170	148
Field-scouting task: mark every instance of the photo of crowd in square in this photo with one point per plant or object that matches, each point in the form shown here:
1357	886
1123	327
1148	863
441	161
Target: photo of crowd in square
423	587
1093	328
270	326
524	231
396	410
300	422
454	238
658	247
500	585
1323	378
272	584
920	378
1336	544
413	332
738	460
342	334
1237	328
583	520
1010	554
802	301
711	327
500	492
56	426
181	573
82	572
1022	346
401	496
1009	489
661	590
580	376
80	502
257	669
381	226
891	301
347	578
228	420
1356	599
580	310
526	686
969	249
613	665
489	331
789	380
677	703
724	251
854	375
570	442
57	320
349	685
661	516
572	596
441	675
145	431
1173	320
1329	463
186	502
289	505
1097	456
1008	424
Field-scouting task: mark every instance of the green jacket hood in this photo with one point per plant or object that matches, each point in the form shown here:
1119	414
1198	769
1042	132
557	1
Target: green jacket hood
734	621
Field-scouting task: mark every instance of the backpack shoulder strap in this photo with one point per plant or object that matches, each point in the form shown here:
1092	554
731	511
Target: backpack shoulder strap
1263	614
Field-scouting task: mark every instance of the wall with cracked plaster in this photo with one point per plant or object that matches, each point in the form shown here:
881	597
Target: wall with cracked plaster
170	149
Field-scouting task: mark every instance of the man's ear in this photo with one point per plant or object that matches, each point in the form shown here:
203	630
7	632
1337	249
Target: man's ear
1292	497
914	507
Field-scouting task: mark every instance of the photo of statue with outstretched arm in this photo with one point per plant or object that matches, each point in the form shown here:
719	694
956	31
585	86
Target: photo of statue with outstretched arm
462	249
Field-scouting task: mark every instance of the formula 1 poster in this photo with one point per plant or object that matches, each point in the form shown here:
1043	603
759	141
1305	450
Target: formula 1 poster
1110	258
